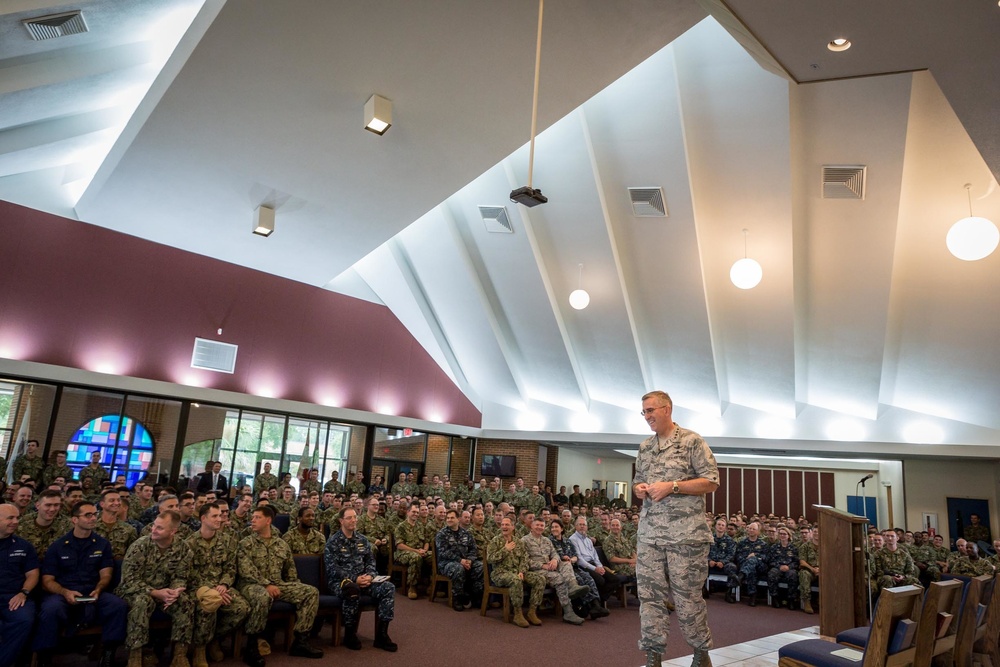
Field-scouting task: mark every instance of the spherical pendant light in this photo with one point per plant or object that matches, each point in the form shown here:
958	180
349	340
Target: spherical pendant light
972	238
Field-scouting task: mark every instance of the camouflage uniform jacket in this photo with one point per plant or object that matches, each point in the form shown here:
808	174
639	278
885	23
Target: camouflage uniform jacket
677	519
96	473
265	562
894	562
942	554
978	533
52	471
213	562
488	495
357	487
398	489
563	547
746	547
183	531
412	536
119	534
966	567
333	487
264	481
374	529
29	465
40	537
540	551
809	552
925	554
778	555
452	546
431	530
147	567
599	534
482	535
136	508
240	524
620	547
312	543
347	558
576	500
513	561
723	549
309	486
535	502
282	506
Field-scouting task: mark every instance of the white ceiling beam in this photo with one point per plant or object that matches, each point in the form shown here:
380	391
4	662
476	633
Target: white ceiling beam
71	65
616	254
59	129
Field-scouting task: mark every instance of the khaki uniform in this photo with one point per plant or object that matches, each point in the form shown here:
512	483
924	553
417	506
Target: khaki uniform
120	534
147	567
268	562
213	563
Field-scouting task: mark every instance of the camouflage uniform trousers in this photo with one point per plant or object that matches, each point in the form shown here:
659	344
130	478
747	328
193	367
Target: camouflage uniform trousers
303	596
583	578
791	577
140	610
680	569
806	579
752	569
463	581
414	562
208	625
533	580
732	574
886	581
561	579
384	595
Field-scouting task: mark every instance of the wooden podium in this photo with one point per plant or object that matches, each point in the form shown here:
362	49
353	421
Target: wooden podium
843	586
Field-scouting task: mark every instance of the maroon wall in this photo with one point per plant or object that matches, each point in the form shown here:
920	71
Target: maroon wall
78	295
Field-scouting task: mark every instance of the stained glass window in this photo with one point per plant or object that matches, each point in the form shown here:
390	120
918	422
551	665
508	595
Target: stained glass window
124	451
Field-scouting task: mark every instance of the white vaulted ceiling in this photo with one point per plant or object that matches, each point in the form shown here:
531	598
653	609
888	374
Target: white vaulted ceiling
864	336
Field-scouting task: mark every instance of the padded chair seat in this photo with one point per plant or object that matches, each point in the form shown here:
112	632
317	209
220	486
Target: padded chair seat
330	602
278	606
855	636
818	652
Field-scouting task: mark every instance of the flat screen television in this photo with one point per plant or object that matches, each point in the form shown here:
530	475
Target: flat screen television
498	466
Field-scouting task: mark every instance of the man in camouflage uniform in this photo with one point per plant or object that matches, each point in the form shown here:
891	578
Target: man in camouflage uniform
333	485
286	503
783	567
239	518
170	502
303	538
412	549
976	532
57	469
543	559
142	501
721	558
808	568
311	483
118	533
358	485
509	567
751	560
482	533
376	528
46	525
30	463
213	567
674	470
264	481
458	559
399	488
893	566
266	573
95	472
966	562
155	575
350	573
619	551
924	557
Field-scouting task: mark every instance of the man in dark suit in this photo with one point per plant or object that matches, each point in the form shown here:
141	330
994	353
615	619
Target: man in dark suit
214	481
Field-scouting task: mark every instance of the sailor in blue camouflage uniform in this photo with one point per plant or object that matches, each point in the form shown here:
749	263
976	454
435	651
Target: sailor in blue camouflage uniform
751	560
19	575
458	559
783	567
721	558
673	471
350	573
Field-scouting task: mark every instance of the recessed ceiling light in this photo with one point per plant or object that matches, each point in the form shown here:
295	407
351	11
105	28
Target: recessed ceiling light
839	44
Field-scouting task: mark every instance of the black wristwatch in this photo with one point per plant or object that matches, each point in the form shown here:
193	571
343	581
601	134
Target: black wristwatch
25	592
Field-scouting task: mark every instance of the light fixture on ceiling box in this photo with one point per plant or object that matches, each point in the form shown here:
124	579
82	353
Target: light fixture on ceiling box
528	195
746	273
579	298
972	238
263	221
839	44
378	114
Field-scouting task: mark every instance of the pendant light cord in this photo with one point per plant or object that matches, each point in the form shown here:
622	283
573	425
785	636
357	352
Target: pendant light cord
968	193
534	101
745	244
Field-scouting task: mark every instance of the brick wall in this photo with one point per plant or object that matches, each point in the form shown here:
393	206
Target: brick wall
401	449
526	452
355	452
438	447
551	467
461	450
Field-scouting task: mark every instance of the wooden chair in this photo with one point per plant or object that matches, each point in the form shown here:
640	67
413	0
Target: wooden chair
489	589
438	579
393	566
980	591
942	597
894	604
986	650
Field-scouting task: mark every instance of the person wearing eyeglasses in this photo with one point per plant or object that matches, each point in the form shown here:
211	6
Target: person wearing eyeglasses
674	470
76	574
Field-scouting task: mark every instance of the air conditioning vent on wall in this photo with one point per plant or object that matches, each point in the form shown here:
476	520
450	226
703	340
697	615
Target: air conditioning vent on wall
496	220
647	202
56	25
211	355
844	181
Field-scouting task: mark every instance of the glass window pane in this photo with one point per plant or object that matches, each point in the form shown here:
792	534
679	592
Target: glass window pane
146	417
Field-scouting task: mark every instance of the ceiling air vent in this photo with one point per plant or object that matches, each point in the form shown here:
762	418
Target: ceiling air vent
496	220
56	25
844	181
647	202
211	355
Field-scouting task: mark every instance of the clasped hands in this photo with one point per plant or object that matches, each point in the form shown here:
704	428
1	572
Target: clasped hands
656	491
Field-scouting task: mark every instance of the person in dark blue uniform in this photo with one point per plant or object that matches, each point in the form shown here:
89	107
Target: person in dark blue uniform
18	577
350	573
80	565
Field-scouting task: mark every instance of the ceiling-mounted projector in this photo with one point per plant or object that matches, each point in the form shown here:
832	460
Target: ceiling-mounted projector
528	196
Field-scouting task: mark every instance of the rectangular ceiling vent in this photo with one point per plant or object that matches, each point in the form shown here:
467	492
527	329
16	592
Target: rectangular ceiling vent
844	181
211	355
647	202
56	25
496	220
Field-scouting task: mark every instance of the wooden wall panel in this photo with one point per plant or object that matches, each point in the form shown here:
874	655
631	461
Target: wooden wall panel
721	506
827	496
735	489
780	479
811	478
765	504
750	490
795	499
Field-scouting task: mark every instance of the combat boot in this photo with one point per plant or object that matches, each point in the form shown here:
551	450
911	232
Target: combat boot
149	658
214	651
180	658
807	606
569	616
251	654
301	648
108	655
351	640
412	593
199	659
135	657
382	640
533	617
701	658
598	610
731	595
519	619
653	659
577	592
263	648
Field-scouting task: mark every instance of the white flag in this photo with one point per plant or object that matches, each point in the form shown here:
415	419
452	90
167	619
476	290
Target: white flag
20	444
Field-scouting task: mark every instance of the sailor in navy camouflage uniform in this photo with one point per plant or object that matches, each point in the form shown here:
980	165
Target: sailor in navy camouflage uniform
458	559
350	571
783	567
721	557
